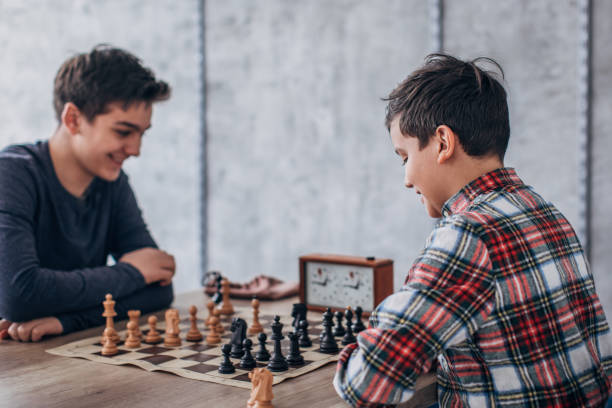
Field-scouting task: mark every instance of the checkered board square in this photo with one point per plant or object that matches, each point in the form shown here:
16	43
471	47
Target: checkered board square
198	360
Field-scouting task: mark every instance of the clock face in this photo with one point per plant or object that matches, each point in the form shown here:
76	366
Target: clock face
338	285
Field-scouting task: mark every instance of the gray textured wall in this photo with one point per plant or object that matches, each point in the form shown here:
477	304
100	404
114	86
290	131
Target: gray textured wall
36	36
299	158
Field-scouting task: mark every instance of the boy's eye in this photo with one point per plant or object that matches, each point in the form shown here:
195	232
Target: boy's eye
404	161
123	133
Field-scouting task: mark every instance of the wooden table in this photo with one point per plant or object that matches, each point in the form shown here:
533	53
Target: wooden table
30	377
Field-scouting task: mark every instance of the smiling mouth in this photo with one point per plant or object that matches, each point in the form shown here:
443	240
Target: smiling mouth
115	160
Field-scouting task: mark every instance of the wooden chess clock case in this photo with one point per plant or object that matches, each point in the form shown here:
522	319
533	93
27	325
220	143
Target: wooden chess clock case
338	281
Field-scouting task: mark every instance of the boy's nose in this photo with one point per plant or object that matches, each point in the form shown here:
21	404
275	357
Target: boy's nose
132	147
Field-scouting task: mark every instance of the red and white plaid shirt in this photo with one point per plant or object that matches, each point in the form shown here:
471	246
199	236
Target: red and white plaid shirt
502	299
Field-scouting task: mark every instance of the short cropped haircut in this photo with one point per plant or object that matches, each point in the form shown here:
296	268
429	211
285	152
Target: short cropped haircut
105	75
459	94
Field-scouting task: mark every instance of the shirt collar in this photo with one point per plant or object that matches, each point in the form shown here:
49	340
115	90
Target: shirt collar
493	180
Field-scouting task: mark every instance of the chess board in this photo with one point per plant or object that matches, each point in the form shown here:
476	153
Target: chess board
198	360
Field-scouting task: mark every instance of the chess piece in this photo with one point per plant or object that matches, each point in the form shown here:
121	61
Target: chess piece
247	362
255	326
226	307
219	327
294	358
339	329
226	366
261	389
153	336
298	312
277	362
134	316
193	334
109	348
304	339
109	313
328	342
172	338
262	354
210	306
358	326
348	337
213	336
218	296
133	339
239	330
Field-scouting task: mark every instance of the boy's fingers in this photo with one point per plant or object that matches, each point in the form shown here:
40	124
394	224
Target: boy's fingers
12	331
24	330
45	327
4	324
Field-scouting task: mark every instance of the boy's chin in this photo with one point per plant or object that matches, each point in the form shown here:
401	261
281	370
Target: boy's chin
433	212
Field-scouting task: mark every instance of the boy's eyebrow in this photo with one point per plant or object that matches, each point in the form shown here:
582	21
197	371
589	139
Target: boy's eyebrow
132	125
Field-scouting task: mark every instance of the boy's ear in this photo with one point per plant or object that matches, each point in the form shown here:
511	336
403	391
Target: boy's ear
71	117
446	141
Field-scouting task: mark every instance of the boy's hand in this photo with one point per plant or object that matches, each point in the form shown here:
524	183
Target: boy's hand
34	330
154	265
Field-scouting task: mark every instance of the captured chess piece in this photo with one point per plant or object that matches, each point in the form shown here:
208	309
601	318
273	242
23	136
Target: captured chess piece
226	366
304	338
226	307
153	336
255	326
172	338
133	338
294	358
262	354
339	329
348	337
261	389
358	326
109	313
218	296
247	362
328	342
134	316
193	334
277	362
109	348
213	336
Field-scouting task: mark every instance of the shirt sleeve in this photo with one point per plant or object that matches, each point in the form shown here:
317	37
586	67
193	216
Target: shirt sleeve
129	231
151	298
449	292
28	290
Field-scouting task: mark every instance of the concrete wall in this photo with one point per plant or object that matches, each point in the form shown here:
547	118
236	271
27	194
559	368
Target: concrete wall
298	159
36	36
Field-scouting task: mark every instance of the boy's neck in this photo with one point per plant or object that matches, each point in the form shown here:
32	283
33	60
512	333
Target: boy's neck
465	171
67	168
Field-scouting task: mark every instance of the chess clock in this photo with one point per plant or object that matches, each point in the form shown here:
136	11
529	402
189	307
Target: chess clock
338	281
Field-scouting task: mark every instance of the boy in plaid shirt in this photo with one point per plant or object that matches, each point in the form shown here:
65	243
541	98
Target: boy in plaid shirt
501	302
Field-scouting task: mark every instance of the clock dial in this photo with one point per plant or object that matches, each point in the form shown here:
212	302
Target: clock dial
338	285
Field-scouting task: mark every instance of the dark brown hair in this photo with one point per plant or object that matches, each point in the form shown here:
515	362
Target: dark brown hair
93	80
459	94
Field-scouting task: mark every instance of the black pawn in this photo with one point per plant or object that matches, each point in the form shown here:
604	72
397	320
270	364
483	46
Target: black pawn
339	329
277	362
262	354
349	337
218	296
358	326
328	342
247	362
226	367
294	358
304	339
